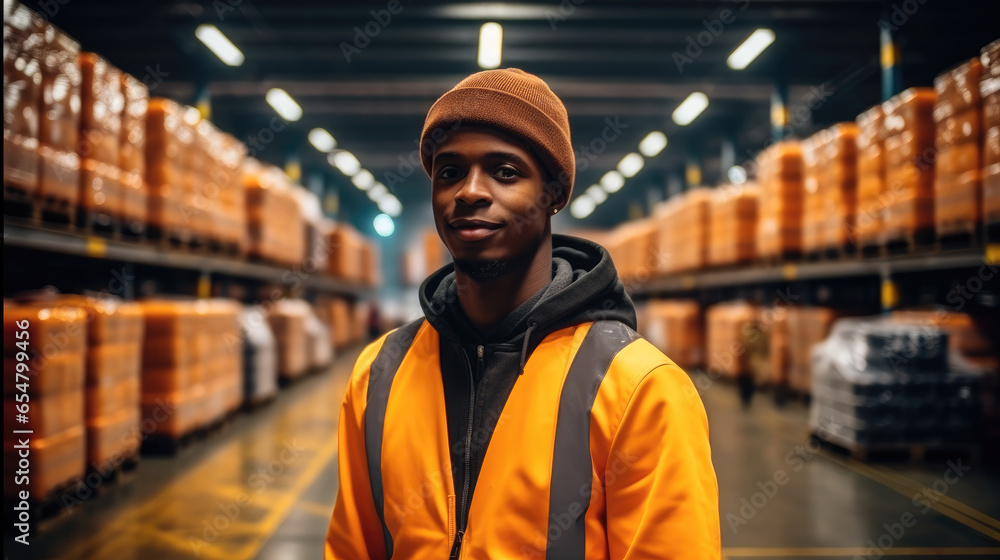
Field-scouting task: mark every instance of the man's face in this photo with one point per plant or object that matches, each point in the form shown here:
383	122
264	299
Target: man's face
487	199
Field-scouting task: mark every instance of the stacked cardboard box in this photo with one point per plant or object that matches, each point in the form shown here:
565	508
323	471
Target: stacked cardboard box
173	387
22	79
164	171
46	366
779	214
835	185
869	223
910	154
766	339
683	226
274	219
725	327
989	90
733	224
114	357
807	327
288	322
958	141
221	350
675	327
102	105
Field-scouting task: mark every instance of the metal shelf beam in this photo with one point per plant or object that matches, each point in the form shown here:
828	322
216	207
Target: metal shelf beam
750	275
71	243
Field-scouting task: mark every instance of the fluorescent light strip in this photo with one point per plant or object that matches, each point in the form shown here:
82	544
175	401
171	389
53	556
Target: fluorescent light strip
322	140
596	193
391	205
346	163
378	192
690	108
219	44
283	104
653	143
750	49
612	182
490	45
364	180
582	207
630	165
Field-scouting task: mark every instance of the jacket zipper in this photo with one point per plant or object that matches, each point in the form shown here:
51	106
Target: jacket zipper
456	548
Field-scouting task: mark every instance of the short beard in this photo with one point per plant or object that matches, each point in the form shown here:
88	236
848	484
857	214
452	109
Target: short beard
482	271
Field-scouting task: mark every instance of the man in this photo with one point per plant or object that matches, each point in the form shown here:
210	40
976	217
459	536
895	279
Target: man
523	417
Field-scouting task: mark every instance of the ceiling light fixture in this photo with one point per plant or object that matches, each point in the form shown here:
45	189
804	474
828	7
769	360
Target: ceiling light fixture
597	194
612	182
630	164
750	49
582	207
363	179
653	143
219	44
490	45
690	108
322	140
283	104
346	163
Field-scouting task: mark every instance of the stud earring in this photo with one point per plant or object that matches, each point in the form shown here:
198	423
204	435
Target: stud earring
555	211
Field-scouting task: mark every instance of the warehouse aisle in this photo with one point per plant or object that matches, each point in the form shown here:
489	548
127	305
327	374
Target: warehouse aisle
266	486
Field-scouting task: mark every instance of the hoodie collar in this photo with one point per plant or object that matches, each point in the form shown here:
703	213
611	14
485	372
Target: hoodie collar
585	287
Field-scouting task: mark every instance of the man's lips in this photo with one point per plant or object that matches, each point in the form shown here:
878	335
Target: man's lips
474	230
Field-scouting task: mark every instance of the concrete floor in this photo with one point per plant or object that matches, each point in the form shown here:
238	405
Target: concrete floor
268	484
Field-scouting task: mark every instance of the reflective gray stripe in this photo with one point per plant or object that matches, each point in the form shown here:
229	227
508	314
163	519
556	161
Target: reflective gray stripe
383	371
569	492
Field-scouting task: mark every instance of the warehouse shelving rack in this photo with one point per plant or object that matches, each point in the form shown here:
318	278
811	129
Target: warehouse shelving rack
885	282
35	256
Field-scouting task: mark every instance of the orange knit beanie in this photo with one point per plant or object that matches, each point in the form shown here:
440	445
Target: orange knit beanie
511	100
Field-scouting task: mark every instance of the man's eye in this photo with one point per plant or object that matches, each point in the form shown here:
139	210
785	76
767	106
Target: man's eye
506	173
448	173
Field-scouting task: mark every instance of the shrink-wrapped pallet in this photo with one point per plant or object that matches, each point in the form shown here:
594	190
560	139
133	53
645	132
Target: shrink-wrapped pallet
958	141
288	322
872	201
725	349
779	221
59	130
910	155
733	224
260	356
676	328
47	364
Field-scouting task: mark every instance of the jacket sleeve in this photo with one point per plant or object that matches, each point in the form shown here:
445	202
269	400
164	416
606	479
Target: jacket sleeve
661	492
355	532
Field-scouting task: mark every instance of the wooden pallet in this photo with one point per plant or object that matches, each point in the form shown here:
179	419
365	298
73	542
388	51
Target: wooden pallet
51	210
841	252
58	502
912	453
991	232
17	202
99	223
779	259
255	404
910	242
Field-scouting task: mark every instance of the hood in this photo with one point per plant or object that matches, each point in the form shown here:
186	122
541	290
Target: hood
585	287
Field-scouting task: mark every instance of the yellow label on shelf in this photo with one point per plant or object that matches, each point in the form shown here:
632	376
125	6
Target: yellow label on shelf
789	271
204	287
687	281
890	294
96	247
993	254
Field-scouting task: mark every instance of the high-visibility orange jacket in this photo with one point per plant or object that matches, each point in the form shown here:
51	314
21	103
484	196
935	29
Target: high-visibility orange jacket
600	449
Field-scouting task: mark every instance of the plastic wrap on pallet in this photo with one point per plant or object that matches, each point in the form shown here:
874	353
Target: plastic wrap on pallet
733	223
675	239
163	173
59	130
260	355
878	382
57	445
779	214
320	348
288	322
23	41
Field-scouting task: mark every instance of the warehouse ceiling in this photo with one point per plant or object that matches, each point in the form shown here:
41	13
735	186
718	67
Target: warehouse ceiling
624	62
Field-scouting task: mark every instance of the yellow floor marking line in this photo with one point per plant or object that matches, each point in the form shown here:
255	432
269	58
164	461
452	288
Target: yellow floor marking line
947	500
976	520
279	511
320	510
198	492
833	552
